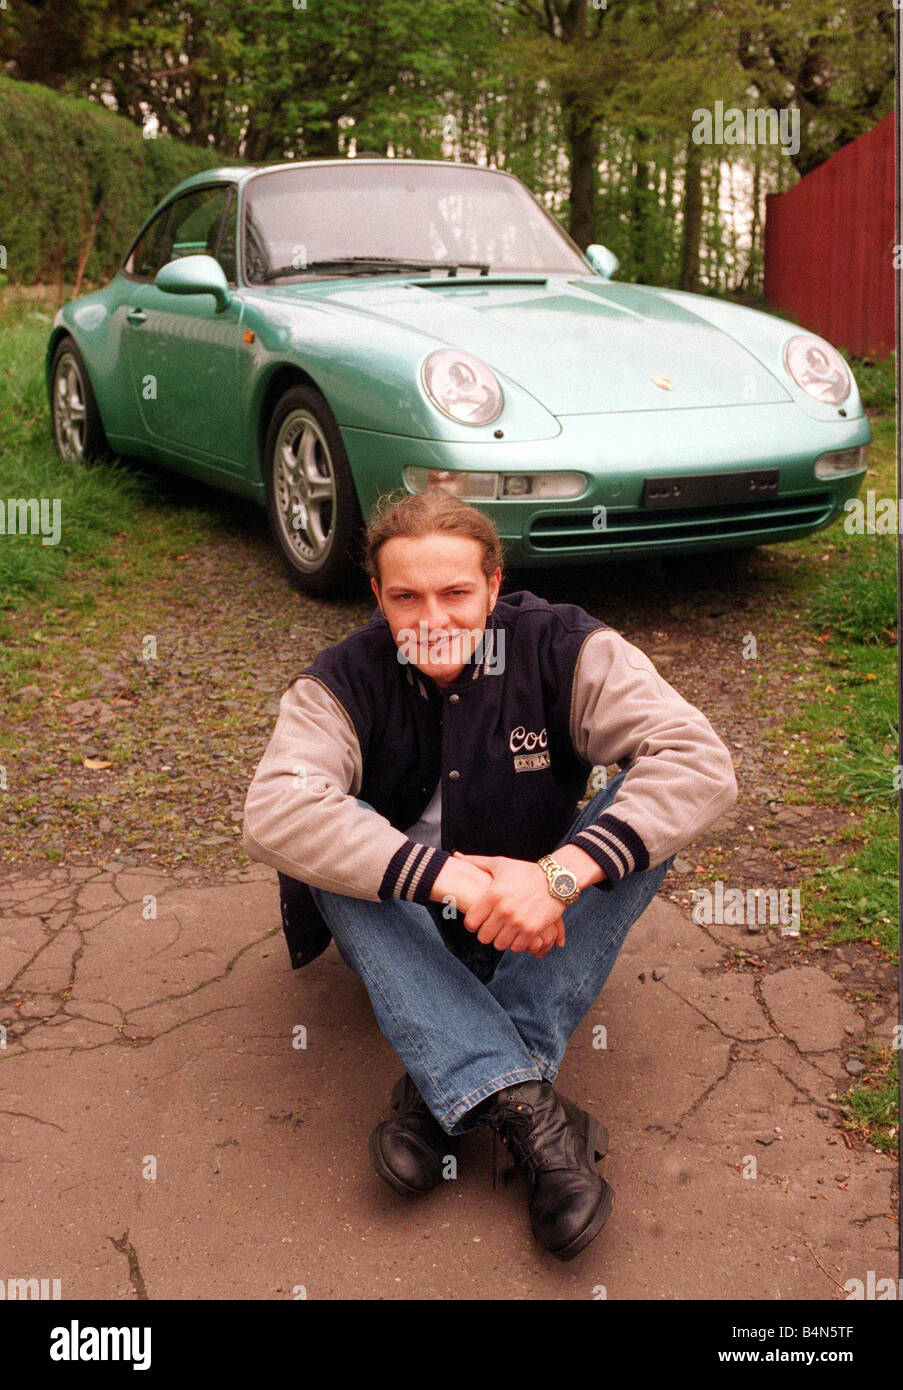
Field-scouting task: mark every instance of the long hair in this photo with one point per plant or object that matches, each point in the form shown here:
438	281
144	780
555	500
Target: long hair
434	512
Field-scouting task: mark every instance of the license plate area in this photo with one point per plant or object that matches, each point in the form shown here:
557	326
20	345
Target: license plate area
710	489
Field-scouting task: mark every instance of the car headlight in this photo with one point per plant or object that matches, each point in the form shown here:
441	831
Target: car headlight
462	387
842	461
818	368
476	486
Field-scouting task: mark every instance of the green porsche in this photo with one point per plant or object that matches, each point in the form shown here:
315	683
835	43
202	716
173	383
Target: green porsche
313	335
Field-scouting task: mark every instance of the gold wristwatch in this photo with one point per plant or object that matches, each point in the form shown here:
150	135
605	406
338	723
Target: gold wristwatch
562	881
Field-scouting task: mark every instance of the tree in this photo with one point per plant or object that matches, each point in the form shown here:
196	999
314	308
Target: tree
833	62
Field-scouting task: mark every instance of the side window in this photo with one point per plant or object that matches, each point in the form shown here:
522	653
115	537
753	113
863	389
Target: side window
150	253
196	218
188	227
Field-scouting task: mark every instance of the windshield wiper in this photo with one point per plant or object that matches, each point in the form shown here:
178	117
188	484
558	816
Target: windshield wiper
362	263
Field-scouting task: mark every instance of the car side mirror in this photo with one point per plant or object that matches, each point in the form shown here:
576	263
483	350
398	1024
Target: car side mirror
603	261
195	275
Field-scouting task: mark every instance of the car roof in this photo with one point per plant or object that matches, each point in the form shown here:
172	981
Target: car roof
240	173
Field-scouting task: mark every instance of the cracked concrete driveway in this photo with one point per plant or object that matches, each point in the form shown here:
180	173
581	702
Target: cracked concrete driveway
162	1137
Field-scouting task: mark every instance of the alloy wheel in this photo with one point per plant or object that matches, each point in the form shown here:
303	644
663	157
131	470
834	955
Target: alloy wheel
305	488
69	408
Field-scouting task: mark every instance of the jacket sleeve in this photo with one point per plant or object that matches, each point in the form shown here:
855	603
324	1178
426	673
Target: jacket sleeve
680	778
301	813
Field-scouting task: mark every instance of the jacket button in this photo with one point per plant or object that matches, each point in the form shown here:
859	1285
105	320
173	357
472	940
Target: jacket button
453	699
453	776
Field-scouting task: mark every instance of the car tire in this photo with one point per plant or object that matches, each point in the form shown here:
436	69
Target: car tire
314	512
78	432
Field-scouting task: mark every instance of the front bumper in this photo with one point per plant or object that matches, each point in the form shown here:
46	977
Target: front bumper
618	453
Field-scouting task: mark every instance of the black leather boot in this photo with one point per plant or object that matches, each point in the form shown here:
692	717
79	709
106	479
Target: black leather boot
554	1144
409	1151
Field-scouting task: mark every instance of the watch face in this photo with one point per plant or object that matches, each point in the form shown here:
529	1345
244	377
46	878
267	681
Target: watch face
564	884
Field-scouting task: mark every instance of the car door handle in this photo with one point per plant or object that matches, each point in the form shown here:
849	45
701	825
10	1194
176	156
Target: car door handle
135	316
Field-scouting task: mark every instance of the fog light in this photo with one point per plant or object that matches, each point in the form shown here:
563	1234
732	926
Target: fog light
477	486
542	484
842	461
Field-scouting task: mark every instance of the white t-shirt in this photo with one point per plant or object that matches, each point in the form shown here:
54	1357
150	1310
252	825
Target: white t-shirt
428	829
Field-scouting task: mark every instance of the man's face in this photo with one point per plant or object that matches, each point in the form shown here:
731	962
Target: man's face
436	599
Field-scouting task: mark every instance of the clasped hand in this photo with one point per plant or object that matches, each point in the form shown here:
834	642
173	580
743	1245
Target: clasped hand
517	912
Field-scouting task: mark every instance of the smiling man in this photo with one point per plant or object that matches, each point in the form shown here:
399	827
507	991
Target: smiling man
420	800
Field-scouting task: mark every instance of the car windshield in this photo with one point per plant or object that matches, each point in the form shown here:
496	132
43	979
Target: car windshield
357	218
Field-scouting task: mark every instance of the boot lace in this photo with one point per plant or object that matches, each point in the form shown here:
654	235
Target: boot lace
517	1122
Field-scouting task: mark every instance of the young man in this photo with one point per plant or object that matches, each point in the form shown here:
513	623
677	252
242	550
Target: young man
419	799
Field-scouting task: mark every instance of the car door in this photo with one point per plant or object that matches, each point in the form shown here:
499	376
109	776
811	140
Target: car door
183	356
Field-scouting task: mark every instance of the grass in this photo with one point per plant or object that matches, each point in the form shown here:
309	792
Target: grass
872	1105
96	503
103	507
877	381
856	899
850	755
858	600
850	719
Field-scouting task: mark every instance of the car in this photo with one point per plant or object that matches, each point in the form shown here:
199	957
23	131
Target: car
314	335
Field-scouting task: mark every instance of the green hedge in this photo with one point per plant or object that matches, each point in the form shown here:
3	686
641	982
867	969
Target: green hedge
57	151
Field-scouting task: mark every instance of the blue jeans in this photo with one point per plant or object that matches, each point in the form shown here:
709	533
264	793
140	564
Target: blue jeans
467	1020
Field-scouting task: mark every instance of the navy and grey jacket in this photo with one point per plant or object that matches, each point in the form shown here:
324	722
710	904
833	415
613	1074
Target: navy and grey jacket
550	694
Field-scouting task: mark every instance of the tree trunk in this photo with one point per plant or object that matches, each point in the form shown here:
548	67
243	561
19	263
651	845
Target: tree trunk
323	143
86	235
639	206
750	275
581	137
689	266
667	196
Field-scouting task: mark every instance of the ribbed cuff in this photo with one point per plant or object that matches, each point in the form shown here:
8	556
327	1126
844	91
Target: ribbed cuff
412	871
614	846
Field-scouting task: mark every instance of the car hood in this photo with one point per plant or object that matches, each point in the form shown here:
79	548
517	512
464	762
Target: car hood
580	346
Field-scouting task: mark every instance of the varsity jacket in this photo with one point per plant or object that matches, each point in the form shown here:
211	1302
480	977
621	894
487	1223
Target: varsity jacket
550	694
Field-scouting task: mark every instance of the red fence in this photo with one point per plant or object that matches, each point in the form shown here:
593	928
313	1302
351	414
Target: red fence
829	246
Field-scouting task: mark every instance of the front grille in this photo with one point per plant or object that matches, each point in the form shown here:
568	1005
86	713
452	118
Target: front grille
574	530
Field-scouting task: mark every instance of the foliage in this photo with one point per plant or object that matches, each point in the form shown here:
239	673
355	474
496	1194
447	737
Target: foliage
877	381
67	162
859	600
590	102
